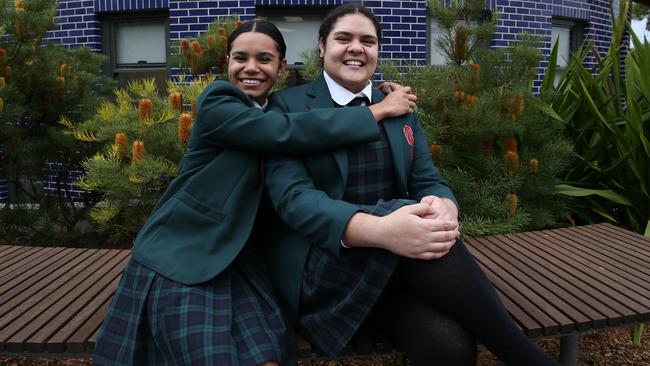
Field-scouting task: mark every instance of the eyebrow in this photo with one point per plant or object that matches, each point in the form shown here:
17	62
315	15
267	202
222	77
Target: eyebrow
262	53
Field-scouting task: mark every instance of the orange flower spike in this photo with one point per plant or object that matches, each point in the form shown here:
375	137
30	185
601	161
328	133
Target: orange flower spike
186	48
534	166
19	4
441	106
184	127
3	54
2	105
224	39
20	22
511	204
221	31
436	151
137	150
238	23
7	71
211	42
460	43
511	144
145	106
520	105
459	96
512	161
176	101
475	68
121	144
193	109
2	82
196	47
470	101
60	85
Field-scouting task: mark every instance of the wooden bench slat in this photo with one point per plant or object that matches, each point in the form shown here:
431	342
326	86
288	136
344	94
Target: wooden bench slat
553	319
543	283
611	272
19	264
548	325
530	326
548	270
624	238
597	282
84	338
48	322
12	256
28	288
607	251
84	319
22	316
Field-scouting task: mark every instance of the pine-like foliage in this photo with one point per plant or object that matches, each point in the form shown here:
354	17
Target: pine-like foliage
38	84
143	137
501	156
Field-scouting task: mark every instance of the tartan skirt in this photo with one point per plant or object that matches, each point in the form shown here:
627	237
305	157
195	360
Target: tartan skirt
233	319
338	293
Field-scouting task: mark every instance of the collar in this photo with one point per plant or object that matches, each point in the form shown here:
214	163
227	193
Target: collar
342	96
262	107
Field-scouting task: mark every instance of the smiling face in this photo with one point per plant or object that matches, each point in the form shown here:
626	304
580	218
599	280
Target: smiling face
254	64
350	52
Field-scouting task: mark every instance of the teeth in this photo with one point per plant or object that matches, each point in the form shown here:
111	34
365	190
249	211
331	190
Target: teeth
353	63
250	81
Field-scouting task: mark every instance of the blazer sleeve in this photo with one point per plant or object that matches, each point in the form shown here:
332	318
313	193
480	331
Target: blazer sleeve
425	178
304	207
226	118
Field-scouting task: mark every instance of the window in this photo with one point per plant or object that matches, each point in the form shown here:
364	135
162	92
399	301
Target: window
137	47
568	36
299	27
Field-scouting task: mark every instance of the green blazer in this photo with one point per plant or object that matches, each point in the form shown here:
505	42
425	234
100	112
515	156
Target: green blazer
206	215
307	192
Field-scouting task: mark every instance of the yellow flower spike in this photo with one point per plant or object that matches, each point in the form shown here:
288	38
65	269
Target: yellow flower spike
2	105
20	22
2	82
19	4
511	204
184	127
512	161
534	166
475	68
176	101
459	96
60	85
137	151
145	107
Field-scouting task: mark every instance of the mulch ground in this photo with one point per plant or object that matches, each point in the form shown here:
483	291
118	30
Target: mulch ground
605	348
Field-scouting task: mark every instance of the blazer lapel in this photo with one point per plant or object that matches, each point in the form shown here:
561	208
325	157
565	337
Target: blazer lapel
399	146
321	98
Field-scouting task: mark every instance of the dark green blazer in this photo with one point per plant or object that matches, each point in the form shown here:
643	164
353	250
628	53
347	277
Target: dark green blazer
307	191
206	215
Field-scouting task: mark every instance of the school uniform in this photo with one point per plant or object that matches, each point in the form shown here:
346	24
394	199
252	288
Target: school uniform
196	290
326	289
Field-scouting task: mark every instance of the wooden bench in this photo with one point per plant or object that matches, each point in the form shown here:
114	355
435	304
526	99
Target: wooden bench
557	282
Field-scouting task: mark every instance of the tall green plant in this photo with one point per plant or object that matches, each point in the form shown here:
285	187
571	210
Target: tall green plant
606	112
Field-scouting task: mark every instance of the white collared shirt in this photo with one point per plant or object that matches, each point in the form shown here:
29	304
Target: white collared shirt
342	96
262	107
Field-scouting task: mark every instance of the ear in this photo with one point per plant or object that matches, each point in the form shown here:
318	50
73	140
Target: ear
321	47
283	67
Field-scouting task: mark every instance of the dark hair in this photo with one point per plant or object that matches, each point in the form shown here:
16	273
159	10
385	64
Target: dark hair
260	26
340	11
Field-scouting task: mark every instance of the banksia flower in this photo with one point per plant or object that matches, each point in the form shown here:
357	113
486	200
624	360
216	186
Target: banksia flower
211	42
534	166
224	39
60	85
121	145
196	47
20	22
460	43
221	31
517	107
441	106
436	151
193	109
185	47
7	71
3	54
2	105
459	96
184	127
470	101
137	151
511	144
19	4
2	82
512	161
238	23
63	68
475	68
511	204
145	106
176	101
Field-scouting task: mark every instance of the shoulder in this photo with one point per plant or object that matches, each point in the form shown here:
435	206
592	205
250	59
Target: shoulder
294	91
225	89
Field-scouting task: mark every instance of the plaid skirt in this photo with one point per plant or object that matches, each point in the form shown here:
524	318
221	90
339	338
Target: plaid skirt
233	319
338	293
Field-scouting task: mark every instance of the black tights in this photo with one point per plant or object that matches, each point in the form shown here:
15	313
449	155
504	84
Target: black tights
438	300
